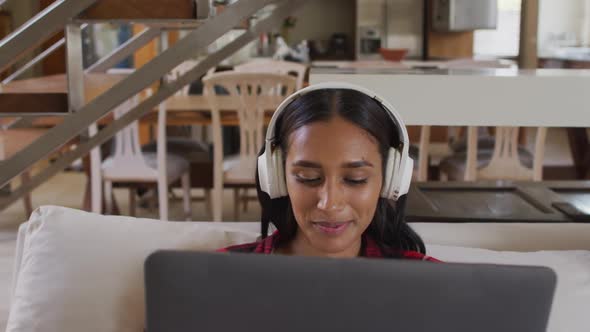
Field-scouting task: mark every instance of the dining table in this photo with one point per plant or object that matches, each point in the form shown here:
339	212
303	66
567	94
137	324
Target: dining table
181	110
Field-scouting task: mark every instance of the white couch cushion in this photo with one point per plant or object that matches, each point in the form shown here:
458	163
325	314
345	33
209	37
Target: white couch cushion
507	236
571	303
84	272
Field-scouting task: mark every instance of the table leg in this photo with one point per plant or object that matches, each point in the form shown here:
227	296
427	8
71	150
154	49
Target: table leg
87	199
580	149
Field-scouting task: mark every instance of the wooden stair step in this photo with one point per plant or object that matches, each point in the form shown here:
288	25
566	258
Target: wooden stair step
141	10
14	140
33	103
94	84
166	14
48	94
44	84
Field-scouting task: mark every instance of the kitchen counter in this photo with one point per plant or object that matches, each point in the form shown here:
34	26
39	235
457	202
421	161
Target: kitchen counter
481	97
490	72
377	64
414	64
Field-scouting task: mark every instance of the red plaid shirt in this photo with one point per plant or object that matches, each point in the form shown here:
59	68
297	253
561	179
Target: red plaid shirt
370	249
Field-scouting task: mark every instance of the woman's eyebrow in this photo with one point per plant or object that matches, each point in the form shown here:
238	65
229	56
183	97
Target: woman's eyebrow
306	163
351	164
357	164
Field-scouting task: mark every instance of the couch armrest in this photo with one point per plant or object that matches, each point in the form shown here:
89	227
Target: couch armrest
20	240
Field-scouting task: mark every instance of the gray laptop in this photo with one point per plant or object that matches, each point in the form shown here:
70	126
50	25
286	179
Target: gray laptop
190	291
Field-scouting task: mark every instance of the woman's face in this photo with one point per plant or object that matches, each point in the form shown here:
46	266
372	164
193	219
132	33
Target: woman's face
334	179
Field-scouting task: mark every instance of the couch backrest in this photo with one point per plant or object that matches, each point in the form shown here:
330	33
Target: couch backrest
81	271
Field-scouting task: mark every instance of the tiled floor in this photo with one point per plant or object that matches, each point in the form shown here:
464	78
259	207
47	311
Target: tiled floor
65	189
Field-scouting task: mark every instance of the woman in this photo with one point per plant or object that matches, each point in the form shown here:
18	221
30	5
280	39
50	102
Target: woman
330	146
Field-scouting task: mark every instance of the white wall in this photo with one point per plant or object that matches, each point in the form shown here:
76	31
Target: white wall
504	40
585	36
562	22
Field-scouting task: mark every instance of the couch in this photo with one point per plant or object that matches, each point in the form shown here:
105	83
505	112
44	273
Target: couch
77	271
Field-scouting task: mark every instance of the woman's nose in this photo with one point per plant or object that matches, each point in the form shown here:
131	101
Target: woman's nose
331	196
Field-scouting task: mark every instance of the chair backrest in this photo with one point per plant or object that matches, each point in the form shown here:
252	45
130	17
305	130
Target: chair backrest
196	132
275	66
180	70
453	131
126	141
255	94
127	157
505	162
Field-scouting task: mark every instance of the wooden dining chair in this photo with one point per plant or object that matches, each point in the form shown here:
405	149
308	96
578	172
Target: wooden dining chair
275	66
486	157
255	94
505	159
189	141
132	167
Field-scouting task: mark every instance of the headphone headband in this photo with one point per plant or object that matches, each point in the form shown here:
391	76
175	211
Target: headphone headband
404	140
399	165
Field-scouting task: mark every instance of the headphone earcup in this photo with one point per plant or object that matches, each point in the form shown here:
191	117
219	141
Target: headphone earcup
271	174
406	176
263	176
398	175
390	174
278	169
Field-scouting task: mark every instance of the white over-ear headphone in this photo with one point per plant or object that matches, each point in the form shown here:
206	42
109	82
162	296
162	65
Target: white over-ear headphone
399	166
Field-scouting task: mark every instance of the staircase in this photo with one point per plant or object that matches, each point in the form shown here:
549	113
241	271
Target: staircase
71	103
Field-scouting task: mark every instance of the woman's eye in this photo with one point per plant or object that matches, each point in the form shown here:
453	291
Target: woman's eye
356	181
308	180
318	180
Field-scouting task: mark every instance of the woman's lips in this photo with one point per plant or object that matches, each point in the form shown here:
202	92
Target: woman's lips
331	228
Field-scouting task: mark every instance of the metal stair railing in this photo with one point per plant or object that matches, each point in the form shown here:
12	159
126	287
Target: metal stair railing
108	61
124	50
143	77
36	30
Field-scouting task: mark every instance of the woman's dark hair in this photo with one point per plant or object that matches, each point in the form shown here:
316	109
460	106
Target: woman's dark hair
388	227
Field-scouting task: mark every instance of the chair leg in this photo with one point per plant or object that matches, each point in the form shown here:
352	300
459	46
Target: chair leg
236	204
96	196
26	176
186	197
217	204
208	202
153	200
245	200
108	197
163	199
93	165
132	202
